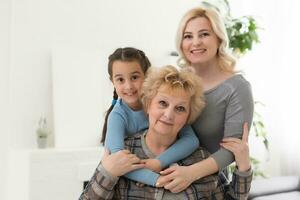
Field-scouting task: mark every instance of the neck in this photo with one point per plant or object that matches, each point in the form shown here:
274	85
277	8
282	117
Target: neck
136	106
207	69
157	143
211	74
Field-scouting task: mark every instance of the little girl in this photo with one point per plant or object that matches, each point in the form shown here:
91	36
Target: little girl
127	68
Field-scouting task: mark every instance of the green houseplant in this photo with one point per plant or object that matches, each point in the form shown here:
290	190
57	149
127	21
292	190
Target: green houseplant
242	33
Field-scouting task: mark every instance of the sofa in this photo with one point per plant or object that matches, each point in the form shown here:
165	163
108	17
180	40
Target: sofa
276	188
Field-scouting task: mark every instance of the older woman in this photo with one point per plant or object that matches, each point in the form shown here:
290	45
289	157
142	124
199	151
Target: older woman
171	98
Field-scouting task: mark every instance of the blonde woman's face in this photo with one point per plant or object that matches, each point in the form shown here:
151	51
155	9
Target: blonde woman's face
199	42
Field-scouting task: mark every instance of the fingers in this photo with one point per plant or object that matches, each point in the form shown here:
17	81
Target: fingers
126	151
231	139
178	188
140	184
167	171
144	161
245	132
135	160
163	180
137	166
229	146
173	184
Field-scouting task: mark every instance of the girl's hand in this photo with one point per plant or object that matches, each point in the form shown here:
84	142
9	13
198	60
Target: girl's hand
120	163
152	164
240	149
175	178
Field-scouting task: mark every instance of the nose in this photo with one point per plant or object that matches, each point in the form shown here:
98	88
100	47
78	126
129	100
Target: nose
196	41
128	85
169	114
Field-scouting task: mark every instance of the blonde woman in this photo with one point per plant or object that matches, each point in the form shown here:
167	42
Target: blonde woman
202	43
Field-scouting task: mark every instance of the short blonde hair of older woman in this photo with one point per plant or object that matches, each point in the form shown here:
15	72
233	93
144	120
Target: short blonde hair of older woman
175	80
225	58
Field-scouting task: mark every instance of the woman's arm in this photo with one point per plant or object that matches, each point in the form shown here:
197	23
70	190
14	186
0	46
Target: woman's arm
239	109
176	179
242	177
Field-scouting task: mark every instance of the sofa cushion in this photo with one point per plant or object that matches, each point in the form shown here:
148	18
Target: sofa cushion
274	185
280	196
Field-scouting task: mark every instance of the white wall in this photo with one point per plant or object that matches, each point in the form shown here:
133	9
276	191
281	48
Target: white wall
37	26
5	17
273	70
263	69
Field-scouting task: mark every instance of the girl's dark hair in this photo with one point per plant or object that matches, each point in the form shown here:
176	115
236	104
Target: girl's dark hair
127	54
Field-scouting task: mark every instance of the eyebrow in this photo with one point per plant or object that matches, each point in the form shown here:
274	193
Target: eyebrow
121	75
202	30
118	75
136	72
180	103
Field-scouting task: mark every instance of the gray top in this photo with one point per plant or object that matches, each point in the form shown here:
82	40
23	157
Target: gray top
228	106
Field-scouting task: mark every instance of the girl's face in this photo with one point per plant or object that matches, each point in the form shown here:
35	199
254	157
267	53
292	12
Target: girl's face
168	112
199	42
127	78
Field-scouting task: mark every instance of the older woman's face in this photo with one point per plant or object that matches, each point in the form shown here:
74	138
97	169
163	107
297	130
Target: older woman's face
168	112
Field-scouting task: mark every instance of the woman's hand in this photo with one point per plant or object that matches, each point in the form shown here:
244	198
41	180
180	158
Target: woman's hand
240	149
121	162
175	178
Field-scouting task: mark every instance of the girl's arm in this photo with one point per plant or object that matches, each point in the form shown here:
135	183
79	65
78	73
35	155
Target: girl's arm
114	141
186	144
116	132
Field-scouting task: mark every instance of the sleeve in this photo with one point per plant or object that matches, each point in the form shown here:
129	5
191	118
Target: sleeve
186	144
145	176
240	185
116	131
101	186
239	110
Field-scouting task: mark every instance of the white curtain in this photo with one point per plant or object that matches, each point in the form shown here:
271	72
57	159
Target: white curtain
273	68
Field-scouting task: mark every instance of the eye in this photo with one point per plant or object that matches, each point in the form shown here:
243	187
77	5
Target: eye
204	34
135	77
163	103
180	109
187	36
119	80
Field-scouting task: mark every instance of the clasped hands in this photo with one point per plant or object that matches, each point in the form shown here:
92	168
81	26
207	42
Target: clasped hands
123	161
175	178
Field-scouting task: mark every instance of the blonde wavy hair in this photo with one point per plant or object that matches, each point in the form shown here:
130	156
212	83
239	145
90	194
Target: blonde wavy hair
174	80
226	60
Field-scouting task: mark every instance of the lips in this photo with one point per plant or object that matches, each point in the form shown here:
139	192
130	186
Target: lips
130	93
197	51
166	123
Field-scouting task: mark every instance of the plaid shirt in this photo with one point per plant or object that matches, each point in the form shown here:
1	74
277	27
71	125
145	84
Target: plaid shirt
103	186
